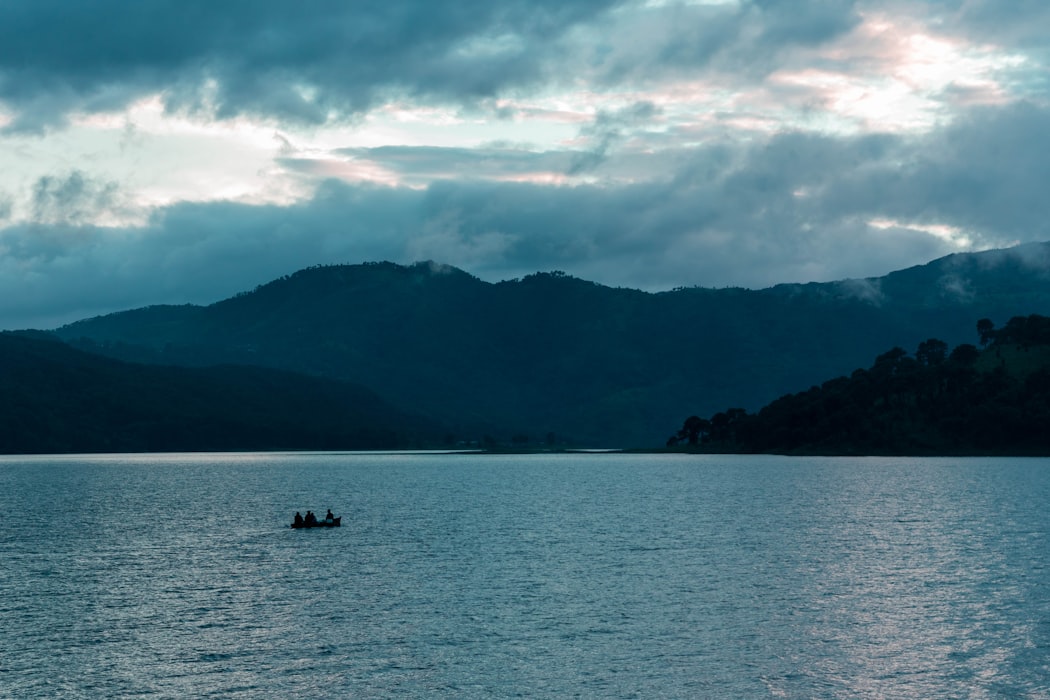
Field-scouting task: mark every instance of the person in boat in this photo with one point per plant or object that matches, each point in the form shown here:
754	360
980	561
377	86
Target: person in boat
311	519
298	519
329	517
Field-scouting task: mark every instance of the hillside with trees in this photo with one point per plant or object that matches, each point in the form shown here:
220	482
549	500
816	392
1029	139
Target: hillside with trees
551	359
59	400
969	400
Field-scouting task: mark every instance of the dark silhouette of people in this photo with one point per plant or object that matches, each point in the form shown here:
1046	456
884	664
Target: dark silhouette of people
311	520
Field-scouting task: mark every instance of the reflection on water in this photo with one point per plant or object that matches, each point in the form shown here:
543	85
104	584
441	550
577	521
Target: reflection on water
587	575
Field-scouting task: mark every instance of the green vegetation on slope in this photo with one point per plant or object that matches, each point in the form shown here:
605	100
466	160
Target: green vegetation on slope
968	401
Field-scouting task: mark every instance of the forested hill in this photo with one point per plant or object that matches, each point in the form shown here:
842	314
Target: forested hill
963	402
551	358
58	400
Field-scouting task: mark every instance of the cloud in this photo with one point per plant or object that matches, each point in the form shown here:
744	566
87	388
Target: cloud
1034	257
1020	22
956	287
55	273
606	131
983	175
73	199
805	22
419	165
790	207
869	290
323	60
302	62
670	41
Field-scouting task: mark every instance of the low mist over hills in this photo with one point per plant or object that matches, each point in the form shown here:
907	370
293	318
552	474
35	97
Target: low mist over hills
554	359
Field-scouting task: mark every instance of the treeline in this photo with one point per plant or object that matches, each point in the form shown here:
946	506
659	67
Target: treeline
55	399
1025	331
994	400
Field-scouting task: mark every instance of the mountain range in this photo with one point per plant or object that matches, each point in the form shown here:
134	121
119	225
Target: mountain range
555	360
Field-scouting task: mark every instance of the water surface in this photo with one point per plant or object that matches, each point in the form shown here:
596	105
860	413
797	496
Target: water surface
591	575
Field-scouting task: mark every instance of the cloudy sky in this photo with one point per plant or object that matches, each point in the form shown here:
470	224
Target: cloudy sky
172	151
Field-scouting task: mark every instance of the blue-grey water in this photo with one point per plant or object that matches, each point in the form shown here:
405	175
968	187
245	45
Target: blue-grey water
462	576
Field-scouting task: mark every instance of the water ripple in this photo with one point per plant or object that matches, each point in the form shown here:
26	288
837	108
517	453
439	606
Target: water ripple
604	576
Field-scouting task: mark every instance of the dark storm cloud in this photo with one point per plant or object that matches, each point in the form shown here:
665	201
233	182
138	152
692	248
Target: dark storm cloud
321	59
291	60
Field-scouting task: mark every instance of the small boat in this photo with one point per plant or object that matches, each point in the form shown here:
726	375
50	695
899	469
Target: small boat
334	522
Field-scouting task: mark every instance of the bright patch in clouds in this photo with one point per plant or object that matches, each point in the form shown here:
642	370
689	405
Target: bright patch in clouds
893	77
949	234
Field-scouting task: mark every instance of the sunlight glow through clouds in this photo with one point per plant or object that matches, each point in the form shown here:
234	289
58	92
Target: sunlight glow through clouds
903	76
351	170
159	158
949	234
544	178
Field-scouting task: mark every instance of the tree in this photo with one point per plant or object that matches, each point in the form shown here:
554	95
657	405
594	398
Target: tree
889	362
986	330
693	428
965	355
723	425
932	403
931	352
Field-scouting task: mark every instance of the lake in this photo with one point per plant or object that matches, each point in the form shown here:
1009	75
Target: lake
566	575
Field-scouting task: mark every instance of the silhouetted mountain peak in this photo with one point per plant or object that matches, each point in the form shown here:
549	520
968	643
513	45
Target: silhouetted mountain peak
335	282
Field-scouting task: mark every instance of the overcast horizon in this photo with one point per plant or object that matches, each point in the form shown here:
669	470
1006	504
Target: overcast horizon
182	152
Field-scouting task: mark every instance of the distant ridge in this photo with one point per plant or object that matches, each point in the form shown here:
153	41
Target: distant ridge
56	399
554	359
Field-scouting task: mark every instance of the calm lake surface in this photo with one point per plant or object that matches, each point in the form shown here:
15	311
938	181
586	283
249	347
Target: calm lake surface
588	575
